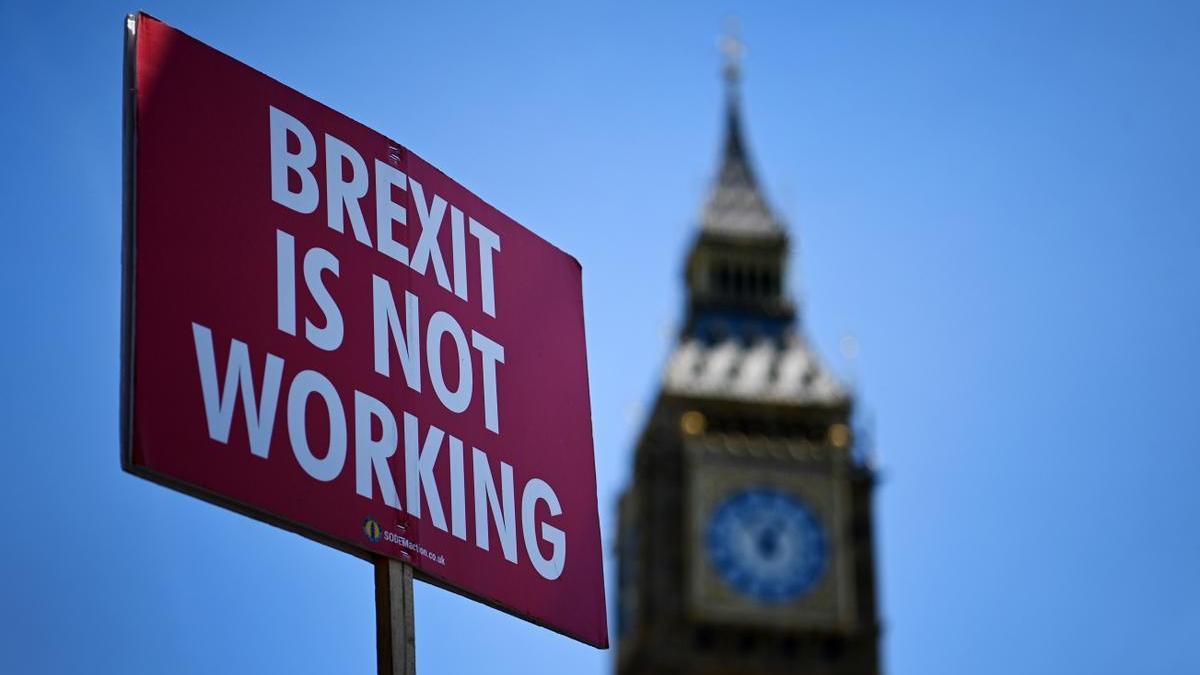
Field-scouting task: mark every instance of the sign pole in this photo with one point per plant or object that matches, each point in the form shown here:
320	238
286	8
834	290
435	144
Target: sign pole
394	627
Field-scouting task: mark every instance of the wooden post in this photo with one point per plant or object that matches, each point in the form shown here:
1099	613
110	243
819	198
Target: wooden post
394	631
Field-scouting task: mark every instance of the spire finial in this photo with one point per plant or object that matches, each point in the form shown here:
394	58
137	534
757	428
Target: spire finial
734	50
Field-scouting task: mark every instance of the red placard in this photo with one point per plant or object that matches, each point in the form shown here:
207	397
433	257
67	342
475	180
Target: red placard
325	332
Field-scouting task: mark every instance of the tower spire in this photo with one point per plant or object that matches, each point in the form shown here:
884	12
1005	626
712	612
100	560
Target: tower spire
736	205
733	50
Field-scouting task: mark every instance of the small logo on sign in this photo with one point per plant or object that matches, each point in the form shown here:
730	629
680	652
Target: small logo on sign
372	530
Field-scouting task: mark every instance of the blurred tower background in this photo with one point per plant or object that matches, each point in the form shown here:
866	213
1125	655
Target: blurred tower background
746	539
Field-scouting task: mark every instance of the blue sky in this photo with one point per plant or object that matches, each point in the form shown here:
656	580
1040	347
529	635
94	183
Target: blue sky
1001	202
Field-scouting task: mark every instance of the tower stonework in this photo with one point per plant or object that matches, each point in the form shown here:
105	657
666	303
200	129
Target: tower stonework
746	536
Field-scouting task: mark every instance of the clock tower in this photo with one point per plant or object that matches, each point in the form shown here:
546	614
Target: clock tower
746	539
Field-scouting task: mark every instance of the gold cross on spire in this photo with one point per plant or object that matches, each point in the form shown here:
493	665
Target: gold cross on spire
734	50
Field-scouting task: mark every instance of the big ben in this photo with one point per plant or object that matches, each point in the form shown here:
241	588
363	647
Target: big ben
746	536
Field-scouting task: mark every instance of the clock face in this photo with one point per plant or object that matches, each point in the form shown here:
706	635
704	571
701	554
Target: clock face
766	544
